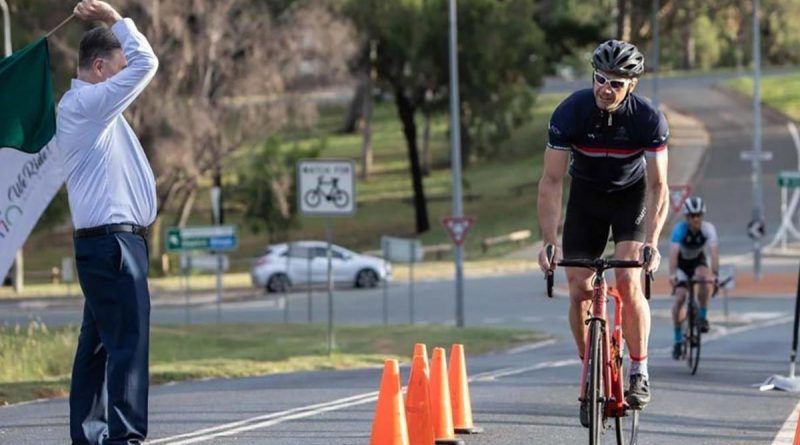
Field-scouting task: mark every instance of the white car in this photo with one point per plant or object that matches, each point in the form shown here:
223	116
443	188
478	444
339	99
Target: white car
279	266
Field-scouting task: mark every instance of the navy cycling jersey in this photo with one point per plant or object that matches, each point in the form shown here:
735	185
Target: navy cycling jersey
608	149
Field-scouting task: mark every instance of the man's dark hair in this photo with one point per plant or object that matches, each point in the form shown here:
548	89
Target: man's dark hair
97	43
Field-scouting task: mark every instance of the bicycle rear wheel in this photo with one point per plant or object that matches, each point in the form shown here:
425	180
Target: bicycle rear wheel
692	339
594	382
629	423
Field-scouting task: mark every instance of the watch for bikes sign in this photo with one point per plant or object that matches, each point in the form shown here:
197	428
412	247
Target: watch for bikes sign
326	187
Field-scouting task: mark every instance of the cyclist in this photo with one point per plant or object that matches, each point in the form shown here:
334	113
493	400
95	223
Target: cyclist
615	143
687	258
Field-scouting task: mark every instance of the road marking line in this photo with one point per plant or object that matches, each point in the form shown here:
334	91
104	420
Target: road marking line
531	347
505	372
785	435
362	398
275	421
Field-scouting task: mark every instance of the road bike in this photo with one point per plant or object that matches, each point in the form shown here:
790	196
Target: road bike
339	197
690	349
602	376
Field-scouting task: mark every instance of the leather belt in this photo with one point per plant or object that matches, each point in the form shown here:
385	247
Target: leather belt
111	228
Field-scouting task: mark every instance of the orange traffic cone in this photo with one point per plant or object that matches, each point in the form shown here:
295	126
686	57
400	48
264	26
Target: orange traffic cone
421	349
418	404
389	426
797	433
440	401
459	393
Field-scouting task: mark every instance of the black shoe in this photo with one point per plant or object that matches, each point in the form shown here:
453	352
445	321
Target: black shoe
702	323
585	414
677	351
638	394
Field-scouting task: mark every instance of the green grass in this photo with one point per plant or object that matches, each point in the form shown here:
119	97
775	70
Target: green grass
780	92
37	360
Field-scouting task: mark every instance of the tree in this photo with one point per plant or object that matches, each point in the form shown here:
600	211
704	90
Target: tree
501	61
398	27
266	186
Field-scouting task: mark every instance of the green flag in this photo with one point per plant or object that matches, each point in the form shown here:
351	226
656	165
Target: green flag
27	109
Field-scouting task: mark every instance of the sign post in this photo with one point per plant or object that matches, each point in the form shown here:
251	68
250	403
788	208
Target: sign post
326	187
216	239
401	250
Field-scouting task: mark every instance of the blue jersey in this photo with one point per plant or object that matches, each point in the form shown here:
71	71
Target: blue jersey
608	149
692	243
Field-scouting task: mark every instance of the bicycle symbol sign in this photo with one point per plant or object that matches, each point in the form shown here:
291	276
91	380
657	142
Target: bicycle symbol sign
326	187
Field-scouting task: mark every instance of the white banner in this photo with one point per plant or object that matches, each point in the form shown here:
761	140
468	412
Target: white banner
28	183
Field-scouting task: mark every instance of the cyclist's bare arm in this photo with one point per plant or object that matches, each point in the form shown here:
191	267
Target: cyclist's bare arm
714	259
657	197
550	194
674	251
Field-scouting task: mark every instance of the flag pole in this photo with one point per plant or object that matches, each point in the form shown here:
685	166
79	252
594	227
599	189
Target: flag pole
60	25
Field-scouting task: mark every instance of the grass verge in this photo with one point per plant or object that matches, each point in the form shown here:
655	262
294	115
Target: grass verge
37	360
779	92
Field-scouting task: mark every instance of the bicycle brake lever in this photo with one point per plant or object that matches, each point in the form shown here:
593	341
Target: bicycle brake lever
550	252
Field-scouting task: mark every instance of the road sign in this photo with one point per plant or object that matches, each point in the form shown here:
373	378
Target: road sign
209	238
678	195
755	155
789	179
326	187
755	229
458	227
401	250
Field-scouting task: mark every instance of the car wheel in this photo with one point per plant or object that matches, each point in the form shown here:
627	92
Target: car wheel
366	278
278	283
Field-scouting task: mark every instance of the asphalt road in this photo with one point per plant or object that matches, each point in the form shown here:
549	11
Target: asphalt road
520	398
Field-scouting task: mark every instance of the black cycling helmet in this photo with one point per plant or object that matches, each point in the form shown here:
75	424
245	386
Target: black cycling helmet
618	57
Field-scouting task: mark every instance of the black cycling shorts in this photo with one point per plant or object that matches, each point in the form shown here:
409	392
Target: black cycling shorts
592	212
687	267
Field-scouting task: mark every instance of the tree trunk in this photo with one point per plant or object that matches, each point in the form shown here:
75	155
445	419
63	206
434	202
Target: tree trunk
187	204
156	245
426	143
688	37
366	143
354	112
624	20
218	183
406	112
466	145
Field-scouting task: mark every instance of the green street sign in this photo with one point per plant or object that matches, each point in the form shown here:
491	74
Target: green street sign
789	179
208	238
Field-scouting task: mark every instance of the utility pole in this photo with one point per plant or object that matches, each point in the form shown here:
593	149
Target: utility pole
455	159
758	155
656	51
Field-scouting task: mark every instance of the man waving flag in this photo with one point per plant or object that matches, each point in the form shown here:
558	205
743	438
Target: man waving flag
30	167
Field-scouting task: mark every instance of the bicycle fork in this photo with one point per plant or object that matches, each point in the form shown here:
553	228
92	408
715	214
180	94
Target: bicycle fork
612	350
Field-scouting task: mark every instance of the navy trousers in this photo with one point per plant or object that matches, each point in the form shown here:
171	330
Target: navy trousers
109	389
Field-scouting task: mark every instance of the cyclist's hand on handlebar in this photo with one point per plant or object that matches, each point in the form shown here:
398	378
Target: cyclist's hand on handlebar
673	280
545	263
650	257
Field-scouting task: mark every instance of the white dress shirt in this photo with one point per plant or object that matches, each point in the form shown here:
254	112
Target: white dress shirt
109	179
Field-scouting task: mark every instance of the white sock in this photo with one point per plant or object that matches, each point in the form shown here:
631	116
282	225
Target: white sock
639	367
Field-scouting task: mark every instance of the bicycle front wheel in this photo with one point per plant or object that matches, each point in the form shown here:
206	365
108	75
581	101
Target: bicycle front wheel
594	382
692	339
629	423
